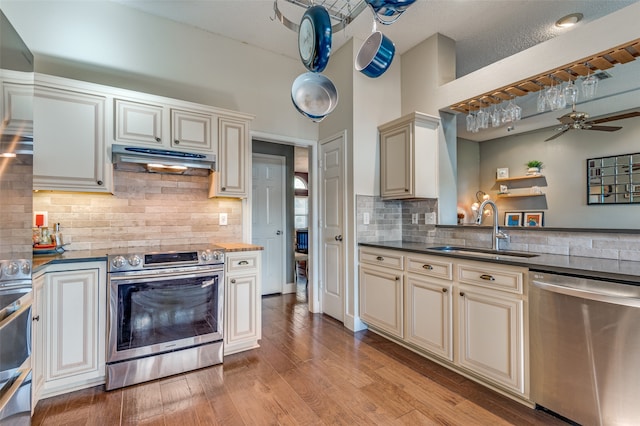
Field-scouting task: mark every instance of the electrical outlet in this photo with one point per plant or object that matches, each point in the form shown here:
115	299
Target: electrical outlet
223	219
414	218
365	218
430	218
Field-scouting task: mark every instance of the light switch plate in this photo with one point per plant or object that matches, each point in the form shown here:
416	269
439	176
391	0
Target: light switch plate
414	218
365	218
223	219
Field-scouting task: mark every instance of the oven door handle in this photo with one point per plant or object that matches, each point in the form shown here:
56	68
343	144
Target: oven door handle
146	277
208	283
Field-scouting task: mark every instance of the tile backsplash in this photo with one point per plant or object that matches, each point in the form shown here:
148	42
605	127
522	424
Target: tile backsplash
392	221
146	209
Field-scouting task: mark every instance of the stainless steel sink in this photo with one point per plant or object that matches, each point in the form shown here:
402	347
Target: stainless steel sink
486	253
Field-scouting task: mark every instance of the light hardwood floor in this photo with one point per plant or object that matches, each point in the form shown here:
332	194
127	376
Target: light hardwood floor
308	370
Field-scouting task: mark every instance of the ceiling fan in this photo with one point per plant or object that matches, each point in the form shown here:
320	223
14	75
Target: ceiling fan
580	121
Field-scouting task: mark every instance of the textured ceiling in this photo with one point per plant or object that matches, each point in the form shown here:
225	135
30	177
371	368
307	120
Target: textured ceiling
485	31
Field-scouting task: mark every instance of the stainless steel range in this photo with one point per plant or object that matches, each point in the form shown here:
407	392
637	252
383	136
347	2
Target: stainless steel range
165	313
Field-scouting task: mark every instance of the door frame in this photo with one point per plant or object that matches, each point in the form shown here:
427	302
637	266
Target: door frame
312	184
285	225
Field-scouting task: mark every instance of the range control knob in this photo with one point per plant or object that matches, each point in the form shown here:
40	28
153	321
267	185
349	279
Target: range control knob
118	262
11	268
206	255
25	268
218	255
134	260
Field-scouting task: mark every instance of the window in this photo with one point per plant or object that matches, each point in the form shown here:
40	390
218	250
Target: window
300	202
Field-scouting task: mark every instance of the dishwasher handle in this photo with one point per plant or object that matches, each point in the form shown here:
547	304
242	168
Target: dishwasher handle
590	295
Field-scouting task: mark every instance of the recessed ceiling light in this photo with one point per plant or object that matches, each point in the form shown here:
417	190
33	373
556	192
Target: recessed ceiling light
569	20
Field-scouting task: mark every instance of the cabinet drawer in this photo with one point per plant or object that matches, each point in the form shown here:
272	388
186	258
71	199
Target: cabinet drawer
430	266
382	258
242	263
491	277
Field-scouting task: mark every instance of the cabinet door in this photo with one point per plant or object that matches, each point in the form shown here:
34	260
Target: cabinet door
17	108
429	315
381	295
75	327
396	162
242	309
491	336
69	130
232	168
37	339
138	123
192	130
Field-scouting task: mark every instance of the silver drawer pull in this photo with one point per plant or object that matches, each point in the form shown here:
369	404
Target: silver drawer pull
427	267
243	262
233	281
380	258
487	277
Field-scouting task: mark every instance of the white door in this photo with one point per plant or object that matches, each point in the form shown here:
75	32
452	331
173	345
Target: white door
268	206
331	226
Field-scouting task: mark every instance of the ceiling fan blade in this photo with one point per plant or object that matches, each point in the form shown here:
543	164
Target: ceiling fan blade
615	117
566	119
604	128
558	134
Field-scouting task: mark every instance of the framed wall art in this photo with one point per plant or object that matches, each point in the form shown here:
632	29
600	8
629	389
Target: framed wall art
513	219
533	219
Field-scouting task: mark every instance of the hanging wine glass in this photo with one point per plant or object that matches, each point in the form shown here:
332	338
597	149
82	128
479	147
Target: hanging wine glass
470	121
495	116
562	100
541	104
589	86
552	97
571	93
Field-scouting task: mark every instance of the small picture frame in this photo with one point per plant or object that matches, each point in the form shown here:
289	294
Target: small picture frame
513	219
502	173
533	219
40	219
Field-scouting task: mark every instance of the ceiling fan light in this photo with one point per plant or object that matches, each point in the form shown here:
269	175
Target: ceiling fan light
569	20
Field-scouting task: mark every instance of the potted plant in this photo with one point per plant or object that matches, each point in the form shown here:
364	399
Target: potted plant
533	167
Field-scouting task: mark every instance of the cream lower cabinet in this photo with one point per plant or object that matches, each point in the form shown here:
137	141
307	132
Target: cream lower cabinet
37	339
242	301
71	331
468	315
429	305
491	335
382	290
71	152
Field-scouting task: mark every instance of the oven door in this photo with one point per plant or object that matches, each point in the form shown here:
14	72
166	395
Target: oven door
153	313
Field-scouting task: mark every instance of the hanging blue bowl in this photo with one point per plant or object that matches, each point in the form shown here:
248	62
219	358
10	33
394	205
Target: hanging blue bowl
388	11
375	55
314	95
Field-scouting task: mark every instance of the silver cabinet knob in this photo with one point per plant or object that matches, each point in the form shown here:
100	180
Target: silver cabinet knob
278	232
338	237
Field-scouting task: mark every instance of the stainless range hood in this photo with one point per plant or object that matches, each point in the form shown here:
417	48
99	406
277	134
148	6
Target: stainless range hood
162	160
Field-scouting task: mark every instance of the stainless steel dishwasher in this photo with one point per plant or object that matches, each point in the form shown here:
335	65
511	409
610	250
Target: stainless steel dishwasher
585	347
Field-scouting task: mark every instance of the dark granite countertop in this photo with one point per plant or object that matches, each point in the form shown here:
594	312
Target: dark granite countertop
41	260
587	267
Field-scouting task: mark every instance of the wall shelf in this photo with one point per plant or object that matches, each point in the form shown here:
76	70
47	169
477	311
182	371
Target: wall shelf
519	195
511	179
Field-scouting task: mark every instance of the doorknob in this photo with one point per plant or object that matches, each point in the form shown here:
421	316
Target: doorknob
278	232
338	237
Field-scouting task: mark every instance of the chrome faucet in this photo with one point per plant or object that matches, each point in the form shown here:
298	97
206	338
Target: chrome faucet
497	234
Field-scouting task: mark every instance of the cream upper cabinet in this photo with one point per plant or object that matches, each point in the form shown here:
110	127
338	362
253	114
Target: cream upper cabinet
409	157
156	123
69	127
71	306
382	290
243	304
16	107
234	158
192	130
138	123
